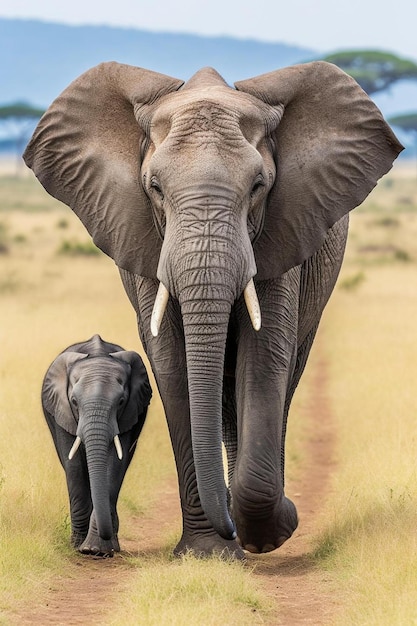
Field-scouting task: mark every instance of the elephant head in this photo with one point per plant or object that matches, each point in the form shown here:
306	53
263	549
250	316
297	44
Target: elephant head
205	187
95	398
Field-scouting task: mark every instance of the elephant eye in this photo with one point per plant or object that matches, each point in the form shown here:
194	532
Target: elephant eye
259	182
156	187
74	401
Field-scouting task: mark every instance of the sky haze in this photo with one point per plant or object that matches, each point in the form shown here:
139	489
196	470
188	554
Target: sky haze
324	25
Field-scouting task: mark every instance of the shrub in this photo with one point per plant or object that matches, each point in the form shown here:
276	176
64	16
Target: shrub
387	222
78	248
350	283
4	248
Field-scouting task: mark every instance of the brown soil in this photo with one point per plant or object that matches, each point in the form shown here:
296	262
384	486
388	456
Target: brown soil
300	591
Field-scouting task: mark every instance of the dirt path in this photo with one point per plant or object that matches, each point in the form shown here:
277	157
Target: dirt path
300	591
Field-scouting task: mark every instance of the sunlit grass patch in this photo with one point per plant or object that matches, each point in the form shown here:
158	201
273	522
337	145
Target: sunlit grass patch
372	550
47	303
32	514
192	591
368	539
24	193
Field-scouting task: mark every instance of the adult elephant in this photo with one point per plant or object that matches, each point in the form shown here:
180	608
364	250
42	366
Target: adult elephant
214	194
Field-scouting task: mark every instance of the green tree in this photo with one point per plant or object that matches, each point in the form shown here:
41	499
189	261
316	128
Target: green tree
17	121
408	123
372	69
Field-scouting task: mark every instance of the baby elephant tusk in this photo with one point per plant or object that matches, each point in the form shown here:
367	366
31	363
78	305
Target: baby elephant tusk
159	307
252	304
118	447
74	448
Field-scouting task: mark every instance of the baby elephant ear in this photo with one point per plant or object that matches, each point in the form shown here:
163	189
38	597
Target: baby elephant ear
55	390
140	391
86	153
331	147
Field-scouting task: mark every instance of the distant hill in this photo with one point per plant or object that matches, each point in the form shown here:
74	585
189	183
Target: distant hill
39	59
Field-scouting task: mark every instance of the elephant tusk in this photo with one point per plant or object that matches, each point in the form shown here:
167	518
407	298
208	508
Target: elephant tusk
132	447
74	448
118	447
252	304
159	307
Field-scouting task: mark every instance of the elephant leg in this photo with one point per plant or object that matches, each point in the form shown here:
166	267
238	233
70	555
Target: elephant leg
166	354
78	483
266	361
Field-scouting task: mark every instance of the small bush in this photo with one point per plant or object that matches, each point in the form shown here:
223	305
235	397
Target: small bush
4	248
352	282
406	201
402	255
388	183
9	283
387	222
383	254
20	238
78	248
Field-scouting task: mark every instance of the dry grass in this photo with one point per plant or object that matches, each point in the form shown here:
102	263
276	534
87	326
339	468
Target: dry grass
48	301
369	535
190	591
368	538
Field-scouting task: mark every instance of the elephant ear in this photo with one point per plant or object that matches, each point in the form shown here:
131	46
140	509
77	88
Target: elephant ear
140	391
55	390
86	152
331	147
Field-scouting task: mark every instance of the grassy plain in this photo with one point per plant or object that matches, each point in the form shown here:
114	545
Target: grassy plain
50	297
55	289
368	536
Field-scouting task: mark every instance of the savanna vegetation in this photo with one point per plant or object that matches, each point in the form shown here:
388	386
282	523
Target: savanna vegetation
374	70
56	288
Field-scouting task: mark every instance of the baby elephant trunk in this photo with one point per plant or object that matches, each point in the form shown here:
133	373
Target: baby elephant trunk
98	442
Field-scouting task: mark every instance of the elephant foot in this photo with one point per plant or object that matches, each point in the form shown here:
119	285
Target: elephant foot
208	544
264	535
77	539
99	548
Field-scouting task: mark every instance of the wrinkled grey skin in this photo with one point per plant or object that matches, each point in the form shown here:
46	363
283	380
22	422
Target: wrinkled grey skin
95	390
202	187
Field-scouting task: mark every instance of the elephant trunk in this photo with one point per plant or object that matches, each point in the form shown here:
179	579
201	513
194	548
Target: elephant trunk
97	441
205	341
206	292
207	271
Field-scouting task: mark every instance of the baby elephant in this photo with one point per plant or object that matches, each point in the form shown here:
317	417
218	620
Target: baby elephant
96	394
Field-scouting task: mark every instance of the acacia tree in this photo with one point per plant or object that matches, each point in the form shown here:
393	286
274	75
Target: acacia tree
17	120
374	70
408	123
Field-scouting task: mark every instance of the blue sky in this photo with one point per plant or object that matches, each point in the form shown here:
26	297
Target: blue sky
324	25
